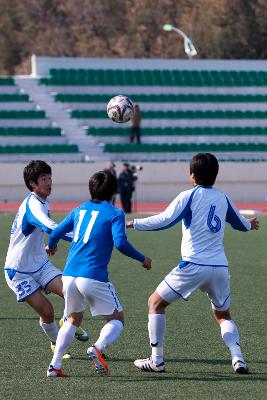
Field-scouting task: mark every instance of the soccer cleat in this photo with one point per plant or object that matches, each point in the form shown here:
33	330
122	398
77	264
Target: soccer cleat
54	373
147	364
240	367
96	356
66	356
80	333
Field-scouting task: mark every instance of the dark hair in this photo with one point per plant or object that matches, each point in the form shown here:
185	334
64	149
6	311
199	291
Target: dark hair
205	168
102	185
33	170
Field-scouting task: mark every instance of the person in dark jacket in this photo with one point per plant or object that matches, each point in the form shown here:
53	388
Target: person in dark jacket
126	187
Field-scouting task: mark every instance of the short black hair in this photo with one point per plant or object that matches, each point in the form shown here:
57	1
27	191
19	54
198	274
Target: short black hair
33	170
205	168
102	185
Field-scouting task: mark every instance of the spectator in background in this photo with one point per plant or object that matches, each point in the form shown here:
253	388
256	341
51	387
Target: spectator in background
110	167
135	125
126	187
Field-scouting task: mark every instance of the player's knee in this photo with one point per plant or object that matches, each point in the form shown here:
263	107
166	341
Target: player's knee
47	313
156	305
221	316
117	315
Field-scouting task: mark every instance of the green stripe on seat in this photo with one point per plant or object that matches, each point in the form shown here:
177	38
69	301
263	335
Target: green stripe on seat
29	131
38	149
32	114
186	147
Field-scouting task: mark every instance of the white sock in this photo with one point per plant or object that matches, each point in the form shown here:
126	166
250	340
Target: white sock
64	338
51	330
231	339
109	334
156	331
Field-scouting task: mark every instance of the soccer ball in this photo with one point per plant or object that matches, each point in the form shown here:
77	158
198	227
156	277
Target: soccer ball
120	109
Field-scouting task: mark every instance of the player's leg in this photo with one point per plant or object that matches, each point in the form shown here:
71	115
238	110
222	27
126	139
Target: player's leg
156	331
231	339
45	310
109	334
111	331
55	286
74	309
178	284
103	300
47	322
64	339
219	294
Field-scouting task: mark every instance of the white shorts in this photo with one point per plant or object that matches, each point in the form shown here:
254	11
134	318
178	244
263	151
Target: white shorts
81	293
182	282
24	285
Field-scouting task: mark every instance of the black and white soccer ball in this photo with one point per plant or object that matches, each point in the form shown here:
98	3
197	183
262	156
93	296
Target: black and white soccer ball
120	109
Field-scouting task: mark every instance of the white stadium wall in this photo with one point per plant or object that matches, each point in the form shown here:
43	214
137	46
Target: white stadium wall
157	182
42	65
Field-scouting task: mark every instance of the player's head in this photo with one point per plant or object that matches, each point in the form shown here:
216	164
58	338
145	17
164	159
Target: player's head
102	186
33	171
204	168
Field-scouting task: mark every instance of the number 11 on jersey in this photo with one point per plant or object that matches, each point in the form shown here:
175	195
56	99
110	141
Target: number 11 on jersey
88	230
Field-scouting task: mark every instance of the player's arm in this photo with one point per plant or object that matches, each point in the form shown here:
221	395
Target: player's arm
121	243
60	231
36	216
173	214
237	221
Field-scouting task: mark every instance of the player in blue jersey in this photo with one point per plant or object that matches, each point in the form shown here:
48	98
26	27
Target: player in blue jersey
203	211
97	227
27	269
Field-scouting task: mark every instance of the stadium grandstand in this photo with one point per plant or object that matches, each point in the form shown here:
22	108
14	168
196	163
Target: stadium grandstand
188	106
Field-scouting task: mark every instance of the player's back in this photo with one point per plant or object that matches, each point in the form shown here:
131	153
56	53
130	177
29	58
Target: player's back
95	226
203	227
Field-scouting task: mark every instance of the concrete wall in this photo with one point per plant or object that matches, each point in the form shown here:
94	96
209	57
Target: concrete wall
42	65
157	181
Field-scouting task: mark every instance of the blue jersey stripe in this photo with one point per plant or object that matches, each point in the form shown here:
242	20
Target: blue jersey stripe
233	219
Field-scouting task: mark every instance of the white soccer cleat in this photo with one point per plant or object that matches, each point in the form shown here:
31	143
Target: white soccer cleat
240	367
147	364
54	373
96	356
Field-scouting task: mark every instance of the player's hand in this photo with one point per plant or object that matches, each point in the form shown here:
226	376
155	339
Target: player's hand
50	252
255	224
147	263
129	224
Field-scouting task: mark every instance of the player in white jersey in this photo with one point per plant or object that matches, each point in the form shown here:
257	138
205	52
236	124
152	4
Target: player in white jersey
203	211
27	268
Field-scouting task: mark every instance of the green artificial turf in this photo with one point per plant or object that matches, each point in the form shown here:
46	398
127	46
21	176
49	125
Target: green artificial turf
198	365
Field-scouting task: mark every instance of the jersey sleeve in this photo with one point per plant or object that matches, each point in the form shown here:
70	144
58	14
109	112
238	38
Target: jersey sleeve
120	238
235	219
36	214
174	213
61	230
118	226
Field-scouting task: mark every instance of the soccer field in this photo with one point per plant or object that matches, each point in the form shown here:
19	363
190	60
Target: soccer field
197	362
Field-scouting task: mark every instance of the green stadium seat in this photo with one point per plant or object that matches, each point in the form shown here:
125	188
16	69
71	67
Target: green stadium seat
14	114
